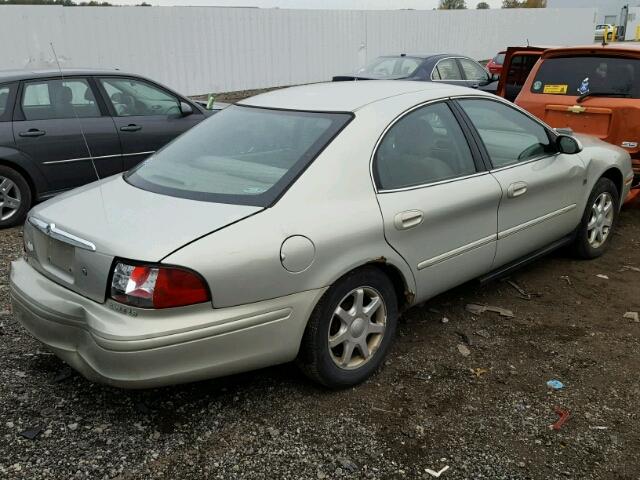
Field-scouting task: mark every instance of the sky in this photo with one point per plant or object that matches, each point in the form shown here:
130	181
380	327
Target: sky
315	4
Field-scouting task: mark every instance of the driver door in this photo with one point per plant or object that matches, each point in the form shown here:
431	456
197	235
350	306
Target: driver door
146	116
540	186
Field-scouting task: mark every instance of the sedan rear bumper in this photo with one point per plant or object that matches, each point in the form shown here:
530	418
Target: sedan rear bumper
133	348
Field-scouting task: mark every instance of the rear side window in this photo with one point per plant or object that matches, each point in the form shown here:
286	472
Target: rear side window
425	146
473	70
4	102
499	59
581	75
57	99
509	136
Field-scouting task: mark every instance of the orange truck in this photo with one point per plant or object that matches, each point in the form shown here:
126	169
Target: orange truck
590	89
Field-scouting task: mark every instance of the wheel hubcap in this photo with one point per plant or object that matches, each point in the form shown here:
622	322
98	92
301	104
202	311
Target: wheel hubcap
357	327
10	198
601	220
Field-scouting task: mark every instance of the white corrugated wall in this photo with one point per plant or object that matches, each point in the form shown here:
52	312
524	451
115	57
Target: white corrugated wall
203	49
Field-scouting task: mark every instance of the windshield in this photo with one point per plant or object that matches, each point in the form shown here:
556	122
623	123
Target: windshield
582	75
242	155
499	59
391	66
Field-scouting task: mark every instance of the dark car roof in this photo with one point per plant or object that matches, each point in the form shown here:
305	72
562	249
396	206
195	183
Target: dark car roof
423	56
14	75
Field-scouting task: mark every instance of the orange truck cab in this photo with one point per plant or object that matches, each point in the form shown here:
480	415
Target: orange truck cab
590	89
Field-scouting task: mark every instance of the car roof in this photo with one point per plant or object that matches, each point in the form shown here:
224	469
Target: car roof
350	96
15	75
631	48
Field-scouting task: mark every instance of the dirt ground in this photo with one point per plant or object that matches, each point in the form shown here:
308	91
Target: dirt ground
485	415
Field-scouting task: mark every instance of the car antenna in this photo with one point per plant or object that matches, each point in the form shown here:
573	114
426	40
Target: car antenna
84	137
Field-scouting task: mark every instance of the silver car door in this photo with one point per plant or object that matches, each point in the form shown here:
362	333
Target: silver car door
438	204
540	186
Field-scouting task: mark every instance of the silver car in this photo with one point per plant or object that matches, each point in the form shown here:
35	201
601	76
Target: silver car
298	225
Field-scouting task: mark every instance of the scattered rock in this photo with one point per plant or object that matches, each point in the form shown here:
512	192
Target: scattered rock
31	433
444	320
72	426
483	334
602	276
632	316
464	350
347	464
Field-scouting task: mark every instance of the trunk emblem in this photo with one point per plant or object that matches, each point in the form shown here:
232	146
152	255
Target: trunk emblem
576	109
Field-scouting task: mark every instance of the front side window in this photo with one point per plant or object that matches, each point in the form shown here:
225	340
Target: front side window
241	155
473	70
446	69
383	67
508	135
58	99
425	146
582	75
131	97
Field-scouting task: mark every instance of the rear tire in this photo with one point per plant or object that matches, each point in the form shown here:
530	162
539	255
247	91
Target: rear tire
598	221
350	330
15	197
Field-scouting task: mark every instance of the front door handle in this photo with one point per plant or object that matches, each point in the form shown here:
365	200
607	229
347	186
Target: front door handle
33	132
517	189
408	219
132	127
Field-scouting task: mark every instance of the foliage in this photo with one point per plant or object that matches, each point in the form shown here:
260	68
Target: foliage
452	4
483	6
524	3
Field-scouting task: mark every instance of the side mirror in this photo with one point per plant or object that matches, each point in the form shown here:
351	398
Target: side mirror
567	144
185	109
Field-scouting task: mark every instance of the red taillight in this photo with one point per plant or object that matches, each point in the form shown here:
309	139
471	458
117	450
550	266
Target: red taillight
151	286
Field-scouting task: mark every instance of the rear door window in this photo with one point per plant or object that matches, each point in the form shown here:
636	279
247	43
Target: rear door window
580	75
49	99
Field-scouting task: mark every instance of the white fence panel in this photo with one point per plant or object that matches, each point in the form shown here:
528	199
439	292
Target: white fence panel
199	49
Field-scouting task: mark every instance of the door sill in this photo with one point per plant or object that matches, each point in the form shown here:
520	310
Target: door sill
510	267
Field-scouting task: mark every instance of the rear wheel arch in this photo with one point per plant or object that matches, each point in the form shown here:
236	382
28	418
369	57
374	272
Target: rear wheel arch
25	174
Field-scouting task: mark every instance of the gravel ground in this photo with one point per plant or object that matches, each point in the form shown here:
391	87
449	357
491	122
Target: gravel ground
468	392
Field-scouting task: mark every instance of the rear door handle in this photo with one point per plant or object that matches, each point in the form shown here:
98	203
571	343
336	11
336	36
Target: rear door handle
131	128
517	189
33	132
408	219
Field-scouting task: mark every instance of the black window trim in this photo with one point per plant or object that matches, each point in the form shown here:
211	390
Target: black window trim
551	134
467	133
18	113
197	110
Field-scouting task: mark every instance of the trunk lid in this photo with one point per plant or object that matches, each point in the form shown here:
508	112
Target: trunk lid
73	238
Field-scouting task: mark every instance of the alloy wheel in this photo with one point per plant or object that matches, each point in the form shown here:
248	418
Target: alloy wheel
10	198
357	327
601	220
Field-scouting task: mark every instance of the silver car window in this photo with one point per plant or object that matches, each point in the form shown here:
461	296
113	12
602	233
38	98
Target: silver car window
241	155
508	135
425	146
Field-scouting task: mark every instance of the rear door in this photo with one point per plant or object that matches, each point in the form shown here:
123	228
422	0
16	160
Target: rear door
438	203
540	186
49	122
146	115
518	63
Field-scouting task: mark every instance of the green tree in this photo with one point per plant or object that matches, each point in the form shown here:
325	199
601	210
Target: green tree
524	3
483	6
452	4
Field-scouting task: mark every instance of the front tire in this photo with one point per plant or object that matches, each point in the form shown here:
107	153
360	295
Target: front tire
598	221
15	197
350	330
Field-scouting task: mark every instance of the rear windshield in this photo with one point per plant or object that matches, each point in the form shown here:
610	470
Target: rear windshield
242	155
575	76
499	59
383	67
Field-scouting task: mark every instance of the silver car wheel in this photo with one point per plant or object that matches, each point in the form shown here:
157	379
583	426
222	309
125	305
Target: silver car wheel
10	198
357	327
601	220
